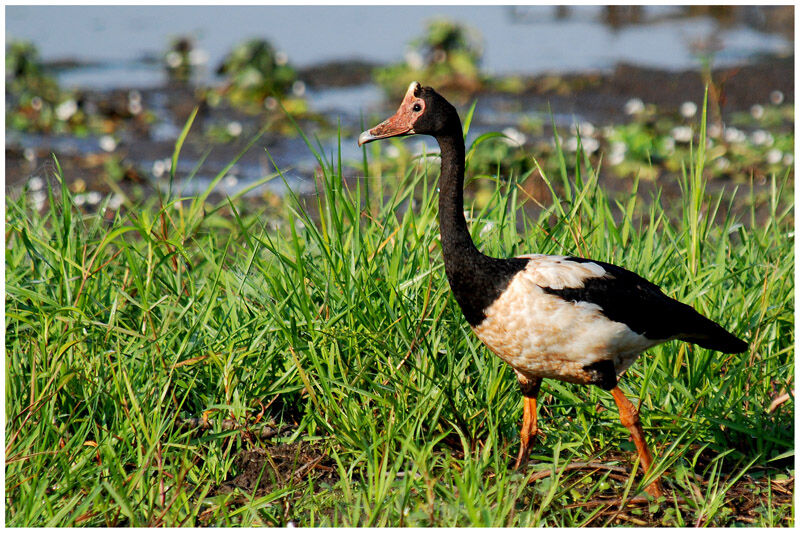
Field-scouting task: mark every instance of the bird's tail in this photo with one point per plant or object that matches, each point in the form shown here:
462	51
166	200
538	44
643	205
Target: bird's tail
714	337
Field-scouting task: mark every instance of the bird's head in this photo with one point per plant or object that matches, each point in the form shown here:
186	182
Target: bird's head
423	111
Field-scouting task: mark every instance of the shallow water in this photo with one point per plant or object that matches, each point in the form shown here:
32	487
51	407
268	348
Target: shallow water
126	43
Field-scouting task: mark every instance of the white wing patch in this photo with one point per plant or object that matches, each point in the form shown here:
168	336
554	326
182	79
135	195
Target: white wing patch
558	272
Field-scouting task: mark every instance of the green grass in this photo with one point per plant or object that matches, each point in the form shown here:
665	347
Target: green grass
332	320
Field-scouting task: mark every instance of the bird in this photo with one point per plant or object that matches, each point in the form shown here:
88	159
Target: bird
548	316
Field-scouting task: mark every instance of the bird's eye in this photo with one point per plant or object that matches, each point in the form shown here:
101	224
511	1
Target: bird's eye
417	107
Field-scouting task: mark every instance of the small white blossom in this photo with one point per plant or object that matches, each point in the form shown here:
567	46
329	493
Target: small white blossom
757	111
160	166
722	163
281	58
230	180
93	198
134	108
774	156
571	145
115	202
761	138
66	109
79	199
414	59
590	144
173	59
735	135
586	129
36	103
29	154
688	109
392	151
298	88
37	199
788	159
776	97
514	137
35	183
107	143
270	103
714	131
615	159
634	106
682	134
234	128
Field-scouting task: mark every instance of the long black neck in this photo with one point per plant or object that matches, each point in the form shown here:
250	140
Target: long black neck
476	280
457	242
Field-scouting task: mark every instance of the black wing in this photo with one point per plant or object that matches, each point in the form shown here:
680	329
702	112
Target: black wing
632	300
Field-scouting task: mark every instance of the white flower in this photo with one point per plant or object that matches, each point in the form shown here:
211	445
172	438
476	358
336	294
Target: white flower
688	109
270	103
714	131
234	128
514	137
682	134
107	143
230	180
722	163
734	135
788	159
79	199
774	156
160	166
298	88
757	111
29	154
35	183
37	199
414	59
134	108
93	198
586	129
590	144
173	59
615	158
761	138
619	147
634	106
571	145
776	97
668	144
281	58
115	202
36	103
66	109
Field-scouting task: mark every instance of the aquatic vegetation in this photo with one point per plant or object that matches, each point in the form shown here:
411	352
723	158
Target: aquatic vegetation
447	55
256	71
183	58
34	99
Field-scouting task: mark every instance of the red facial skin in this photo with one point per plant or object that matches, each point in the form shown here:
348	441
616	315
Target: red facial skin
402	122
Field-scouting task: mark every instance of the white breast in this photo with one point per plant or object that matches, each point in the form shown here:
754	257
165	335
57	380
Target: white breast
543	335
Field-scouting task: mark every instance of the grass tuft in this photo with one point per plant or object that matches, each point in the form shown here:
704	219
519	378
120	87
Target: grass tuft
148	348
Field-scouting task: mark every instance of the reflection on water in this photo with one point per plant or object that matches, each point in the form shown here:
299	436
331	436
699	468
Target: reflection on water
519	39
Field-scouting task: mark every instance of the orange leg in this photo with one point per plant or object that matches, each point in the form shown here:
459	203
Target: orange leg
629	416
530	389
